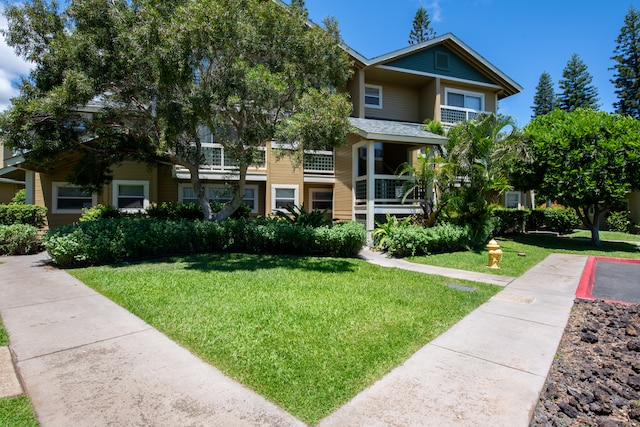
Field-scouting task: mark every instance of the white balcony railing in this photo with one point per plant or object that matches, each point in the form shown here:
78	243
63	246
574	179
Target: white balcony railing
451	115
388	189
319	162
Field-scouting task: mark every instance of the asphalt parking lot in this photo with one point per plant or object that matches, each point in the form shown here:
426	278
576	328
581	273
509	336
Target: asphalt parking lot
617	280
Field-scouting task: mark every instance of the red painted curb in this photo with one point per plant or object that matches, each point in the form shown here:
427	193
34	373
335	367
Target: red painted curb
585	287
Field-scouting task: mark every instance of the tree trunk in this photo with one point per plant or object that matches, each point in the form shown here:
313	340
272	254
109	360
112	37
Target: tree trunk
595	226
228	209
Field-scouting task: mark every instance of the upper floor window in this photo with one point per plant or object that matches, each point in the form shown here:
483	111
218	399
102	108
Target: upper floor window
512	200
464	99
373	96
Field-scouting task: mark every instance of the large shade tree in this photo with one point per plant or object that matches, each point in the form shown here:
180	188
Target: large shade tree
584	159
152	80
626	77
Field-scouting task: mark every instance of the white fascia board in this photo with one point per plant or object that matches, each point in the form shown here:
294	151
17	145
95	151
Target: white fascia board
384	137
319	179
14	161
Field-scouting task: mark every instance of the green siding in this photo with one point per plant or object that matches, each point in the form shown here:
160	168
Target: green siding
424	61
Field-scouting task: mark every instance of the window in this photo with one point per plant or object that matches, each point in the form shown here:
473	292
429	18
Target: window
461	99
220	193
373	96
512	200
321	199
68	198
131	195
442	61
283	196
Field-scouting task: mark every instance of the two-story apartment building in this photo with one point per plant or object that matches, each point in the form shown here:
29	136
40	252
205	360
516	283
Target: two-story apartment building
442	79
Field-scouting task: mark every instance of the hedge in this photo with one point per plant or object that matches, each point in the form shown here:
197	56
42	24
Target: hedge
23	214
415	240
19	239
514	221
107	241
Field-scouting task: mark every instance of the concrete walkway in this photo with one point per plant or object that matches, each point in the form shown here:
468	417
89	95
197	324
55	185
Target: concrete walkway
85	361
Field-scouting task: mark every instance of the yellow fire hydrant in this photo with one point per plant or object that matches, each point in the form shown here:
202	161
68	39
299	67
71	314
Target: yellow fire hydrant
495	254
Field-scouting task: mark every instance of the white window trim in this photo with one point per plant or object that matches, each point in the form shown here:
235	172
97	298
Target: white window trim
207	187
296	195
378	106
54	201
510	193
145	185
480	95
312	191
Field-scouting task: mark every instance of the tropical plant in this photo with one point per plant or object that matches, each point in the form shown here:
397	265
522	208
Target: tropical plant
301	216
480	153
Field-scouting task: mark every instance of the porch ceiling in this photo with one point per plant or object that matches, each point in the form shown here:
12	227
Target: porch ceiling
390	131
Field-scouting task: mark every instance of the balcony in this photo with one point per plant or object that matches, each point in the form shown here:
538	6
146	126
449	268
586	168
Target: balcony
389	189
449	115
319	162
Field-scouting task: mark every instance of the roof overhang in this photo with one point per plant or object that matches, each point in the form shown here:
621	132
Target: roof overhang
389	131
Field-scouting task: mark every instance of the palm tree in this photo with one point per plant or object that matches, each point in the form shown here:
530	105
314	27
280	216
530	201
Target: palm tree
480	152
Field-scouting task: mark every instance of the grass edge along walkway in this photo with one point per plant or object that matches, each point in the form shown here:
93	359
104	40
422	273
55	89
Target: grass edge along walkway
521	252
306	333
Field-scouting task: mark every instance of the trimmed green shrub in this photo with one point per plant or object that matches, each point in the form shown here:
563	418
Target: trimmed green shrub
561	220
511	221
301	216
108	241
619	221
175	210
412	240
99	212
19	239
23	214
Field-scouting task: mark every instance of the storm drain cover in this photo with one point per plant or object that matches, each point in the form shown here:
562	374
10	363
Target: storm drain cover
461	288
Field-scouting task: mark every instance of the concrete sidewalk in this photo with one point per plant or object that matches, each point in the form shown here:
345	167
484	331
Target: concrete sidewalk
85	361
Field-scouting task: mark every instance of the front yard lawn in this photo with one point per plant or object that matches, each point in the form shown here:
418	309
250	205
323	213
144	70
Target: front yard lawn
536	247
306	333
17	411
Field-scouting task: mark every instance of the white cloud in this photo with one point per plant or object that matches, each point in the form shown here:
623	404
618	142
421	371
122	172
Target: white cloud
12	67
435	11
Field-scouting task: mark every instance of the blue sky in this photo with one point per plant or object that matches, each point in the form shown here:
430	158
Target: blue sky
521	38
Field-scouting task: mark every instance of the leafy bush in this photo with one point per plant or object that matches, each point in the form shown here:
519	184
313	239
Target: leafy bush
19	239
561	220
108	241
511	221
383	229
412	240
619	221
175	210
20	198
99	212
23	214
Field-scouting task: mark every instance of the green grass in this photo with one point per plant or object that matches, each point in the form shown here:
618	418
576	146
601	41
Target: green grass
306	333
536	248
17	412
607	235
4	337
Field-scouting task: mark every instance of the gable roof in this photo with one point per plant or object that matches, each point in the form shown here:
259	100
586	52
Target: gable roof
480	69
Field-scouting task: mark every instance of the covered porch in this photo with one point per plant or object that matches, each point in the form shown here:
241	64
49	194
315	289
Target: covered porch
378	156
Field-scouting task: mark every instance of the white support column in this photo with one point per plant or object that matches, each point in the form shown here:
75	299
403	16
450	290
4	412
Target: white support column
30	186
371	184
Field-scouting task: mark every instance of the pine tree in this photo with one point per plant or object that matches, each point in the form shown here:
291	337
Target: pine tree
577	90
545	100
421	30
627	69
